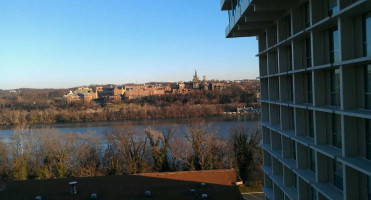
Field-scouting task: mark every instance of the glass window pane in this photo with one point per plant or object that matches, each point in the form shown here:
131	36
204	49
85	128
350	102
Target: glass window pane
312	160
368	79
369	187
338	175
368	139
367	34
336	131
332	7
334	45
310	90
335	87
368	101
311	126
314	194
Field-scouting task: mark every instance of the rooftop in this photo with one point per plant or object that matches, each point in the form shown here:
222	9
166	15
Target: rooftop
166	185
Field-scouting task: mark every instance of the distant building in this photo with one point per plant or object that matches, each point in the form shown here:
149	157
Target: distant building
112	91
219	86
196	81
137	91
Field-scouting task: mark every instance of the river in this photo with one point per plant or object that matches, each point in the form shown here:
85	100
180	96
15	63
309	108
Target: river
220	125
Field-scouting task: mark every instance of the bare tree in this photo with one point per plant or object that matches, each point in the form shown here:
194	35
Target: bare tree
159	142
85	158
4	160
18	147
205	145
126	151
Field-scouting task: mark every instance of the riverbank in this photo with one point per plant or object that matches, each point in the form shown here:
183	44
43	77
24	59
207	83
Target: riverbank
129	112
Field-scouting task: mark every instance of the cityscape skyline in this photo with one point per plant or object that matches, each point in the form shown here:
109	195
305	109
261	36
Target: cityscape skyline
74	43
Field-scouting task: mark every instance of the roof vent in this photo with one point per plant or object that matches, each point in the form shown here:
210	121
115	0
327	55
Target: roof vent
147	193
203	184
73	189
93	196
204	196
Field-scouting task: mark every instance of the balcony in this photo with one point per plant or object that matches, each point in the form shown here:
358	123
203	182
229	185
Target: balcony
225	4
251	17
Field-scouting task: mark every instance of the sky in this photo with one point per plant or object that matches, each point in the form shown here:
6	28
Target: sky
70	43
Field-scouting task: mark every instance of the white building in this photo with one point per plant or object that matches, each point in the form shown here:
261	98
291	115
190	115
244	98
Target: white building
315	73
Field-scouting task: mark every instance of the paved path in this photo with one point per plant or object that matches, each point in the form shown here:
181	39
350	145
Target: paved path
253	196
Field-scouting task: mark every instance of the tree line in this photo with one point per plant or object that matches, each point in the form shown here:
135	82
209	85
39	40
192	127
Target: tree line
36	107
47	154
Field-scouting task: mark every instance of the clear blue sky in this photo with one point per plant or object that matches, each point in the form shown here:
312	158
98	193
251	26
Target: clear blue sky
67	43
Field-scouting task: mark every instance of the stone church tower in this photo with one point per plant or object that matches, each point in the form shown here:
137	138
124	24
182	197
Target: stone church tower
196	81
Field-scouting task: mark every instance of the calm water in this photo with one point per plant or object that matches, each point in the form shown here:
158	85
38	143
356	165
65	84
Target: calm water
218	125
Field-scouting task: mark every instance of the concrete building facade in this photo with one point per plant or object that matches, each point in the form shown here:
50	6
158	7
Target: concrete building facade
315	76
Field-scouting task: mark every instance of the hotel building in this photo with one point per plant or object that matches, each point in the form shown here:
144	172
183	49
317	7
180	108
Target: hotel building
315	75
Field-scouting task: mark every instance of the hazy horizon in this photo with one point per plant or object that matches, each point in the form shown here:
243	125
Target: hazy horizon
118	84
64	44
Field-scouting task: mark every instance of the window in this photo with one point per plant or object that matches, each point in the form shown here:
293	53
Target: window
293	149
290	88
338	175
279	142
314	193
288	25
367	34
289	57
292	119
310	90
369	187
334	45
306	10
336	131
295	181
311	125
367	78
368	139
332	7
308	52
335	87
312	160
